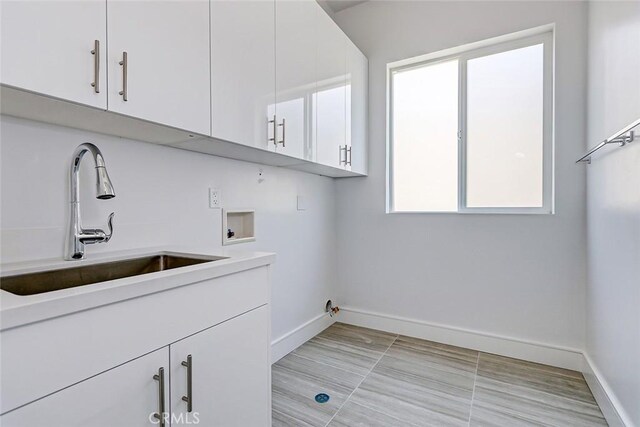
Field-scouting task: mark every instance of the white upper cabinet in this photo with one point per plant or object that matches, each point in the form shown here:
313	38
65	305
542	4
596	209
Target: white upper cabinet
329	99
242	70
46	47
158	62
296	43
275	75
357	110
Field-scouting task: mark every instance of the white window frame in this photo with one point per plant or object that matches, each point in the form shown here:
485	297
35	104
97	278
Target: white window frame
542	35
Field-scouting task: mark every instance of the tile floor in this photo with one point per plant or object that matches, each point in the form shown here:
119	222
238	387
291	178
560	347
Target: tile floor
375	379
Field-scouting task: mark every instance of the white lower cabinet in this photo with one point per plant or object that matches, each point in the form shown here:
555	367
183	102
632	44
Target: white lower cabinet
127	395
104	366
221	372
217	377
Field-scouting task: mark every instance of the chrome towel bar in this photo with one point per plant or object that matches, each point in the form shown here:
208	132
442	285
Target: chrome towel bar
622	137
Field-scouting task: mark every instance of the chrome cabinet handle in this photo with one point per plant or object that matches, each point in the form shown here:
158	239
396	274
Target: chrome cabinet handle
160	414
283	134
189	397
273	124
96	66
124	64
340	150
347	161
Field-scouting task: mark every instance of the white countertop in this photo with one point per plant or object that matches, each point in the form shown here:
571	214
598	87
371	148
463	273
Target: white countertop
17	310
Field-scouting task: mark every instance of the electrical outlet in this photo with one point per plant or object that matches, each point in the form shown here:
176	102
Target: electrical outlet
214	198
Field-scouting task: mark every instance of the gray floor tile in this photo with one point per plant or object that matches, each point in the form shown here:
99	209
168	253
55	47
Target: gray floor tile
429	352
422	383
499	404
481	417
278	419
510	391
336	353
359	337
296	381
354	415
412	403
441	374
561	382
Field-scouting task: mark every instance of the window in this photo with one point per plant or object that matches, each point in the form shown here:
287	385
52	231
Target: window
471	132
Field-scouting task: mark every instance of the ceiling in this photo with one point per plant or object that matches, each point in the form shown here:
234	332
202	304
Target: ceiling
338	5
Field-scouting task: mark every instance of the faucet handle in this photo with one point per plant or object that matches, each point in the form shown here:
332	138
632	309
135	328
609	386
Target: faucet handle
107	237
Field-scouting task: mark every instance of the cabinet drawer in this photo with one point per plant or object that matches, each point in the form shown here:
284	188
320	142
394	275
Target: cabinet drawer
47	356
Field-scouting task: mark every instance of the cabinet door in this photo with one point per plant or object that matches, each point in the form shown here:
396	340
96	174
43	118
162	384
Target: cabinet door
230	373
242	70
126	395
330	96
46	48
357	110
296	43
167	78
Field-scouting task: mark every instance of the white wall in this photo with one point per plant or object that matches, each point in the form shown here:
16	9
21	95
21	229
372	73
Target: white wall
521	276
162	199
613	203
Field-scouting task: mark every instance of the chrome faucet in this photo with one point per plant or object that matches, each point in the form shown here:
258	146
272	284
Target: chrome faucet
78	236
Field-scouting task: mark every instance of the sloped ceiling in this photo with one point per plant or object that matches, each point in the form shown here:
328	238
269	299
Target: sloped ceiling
338	5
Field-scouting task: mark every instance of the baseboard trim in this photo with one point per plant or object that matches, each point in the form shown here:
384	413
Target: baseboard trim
561	357
609	404
284	345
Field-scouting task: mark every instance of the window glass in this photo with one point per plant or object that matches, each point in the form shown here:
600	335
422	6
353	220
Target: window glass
425	143
504	141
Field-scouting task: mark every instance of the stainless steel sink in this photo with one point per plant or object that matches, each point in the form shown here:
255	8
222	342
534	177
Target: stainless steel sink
53	280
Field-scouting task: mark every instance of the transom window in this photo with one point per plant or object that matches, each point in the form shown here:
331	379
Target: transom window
472	131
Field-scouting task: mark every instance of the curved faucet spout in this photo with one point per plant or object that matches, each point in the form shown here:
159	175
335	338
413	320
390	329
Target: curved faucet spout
77	236
104	188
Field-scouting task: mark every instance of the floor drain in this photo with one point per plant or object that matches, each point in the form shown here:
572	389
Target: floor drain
322	398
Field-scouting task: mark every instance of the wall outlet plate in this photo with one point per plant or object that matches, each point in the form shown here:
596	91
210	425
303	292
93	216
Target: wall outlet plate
301	203
215	201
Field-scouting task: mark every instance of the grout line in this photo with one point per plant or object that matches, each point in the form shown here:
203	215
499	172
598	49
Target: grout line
395	417
473	392
364	378
404	422
326	364
337	341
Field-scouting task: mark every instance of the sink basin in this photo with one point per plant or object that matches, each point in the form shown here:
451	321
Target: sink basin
53	280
